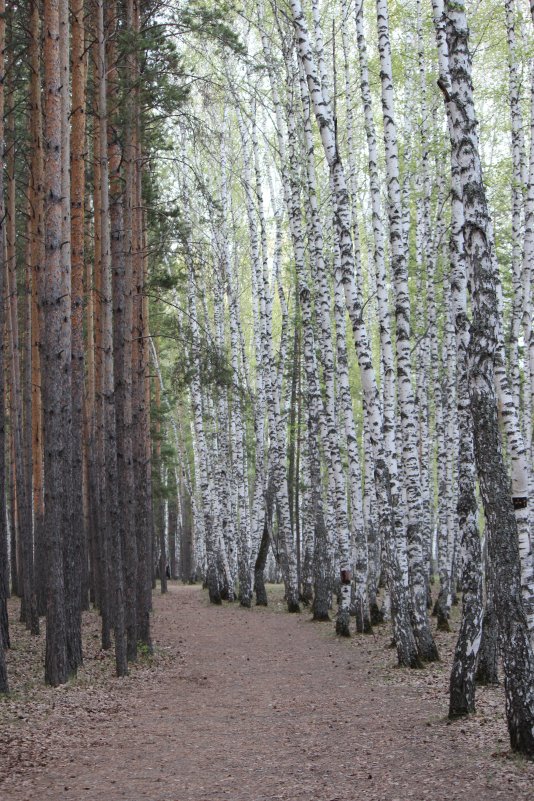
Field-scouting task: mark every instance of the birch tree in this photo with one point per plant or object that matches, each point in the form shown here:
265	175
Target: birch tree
518	659
426	646
405	642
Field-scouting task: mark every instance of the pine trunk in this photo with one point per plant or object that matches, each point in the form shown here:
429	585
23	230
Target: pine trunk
110	478
56	356
4	575
77	199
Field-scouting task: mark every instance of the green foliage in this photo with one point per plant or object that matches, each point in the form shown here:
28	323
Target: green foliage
210	21
220	73
144	652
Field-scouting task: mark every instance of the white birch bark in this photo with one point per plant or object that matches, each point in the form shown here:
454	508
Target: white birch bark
307	519
214	467
528	281
224	467
237	433
202	472
349	121
404	638
516	650
375	544
360	601
387	353
425	248
276	431
425	642
518	161
462	679
328	423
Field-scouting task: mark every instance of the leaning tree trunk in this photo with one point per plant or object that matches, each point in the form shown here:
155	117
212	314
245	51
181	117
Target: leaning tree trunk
263	552
517	655
487	671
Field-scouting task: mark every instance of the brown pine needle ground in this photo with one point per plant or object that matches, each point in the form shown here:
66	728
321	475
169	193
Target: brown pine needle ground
249	705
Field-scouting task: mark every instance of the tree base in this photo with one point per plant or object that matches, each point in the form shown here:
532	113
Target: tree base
460	711
343	623
487	679
413	662
377	615
428	652
215	597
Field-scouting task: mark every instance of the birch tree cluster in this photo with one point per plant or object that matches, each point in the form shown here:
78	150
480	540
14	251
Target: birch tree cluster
350	290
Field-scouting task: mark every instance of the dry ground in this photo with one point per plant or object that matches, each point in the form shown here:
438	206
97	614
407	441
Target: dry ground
250	705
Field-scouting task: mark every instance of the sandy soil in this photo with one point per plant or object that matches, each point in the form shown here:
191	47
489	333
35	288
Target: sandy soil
253	705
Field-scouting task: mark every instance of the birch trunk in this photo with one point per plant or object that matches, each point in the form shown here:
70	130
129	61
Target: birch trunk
272	398
517	205
237	427
425	643
517	655
202	473
463	673
404	638
327	415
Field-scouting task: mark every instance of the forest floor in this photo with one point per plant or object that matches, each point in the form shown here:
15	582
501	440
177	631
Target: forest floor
249	705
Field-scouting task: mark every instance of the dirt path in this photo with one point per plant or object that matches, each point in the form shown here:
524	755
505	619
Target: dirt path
258	705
